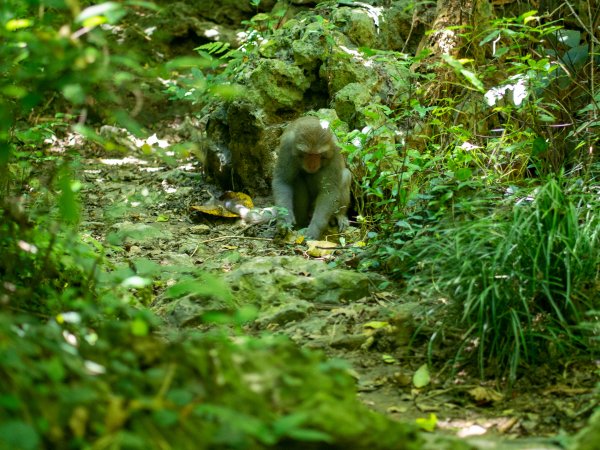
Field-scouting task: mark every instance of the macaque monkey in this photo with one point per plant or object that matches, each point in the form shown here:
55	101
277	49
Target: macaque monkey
310	179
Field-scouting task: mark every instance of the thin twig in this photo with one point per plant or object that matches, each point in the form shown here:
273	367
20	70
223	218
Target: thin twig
221	238
589	31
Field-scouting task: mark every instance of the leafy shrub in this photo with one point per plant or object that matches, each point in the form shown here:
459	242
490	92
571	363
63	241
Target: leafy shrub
68	384
522	282
540	101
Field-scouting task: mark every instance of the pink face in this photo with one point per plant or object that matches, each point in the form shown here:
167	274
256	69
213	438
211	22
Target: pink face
311	162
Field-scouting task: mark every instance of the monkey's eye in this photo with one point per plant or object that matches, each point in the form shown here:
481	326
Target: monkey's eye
302	148
325	152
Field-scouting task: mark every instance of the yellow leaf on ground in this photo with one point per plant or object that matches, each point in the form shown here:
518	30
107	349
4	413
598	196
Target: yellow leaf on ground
427	424
236	198
228	205
214	210
318	249
484	396
375	324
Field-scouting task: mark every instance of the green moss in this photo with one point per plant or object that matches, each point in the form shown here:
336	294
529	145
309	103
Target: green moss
282	84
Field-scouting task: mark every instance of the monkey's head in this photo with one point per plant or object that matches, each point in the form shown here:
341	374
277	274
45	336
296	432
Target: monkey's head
312	142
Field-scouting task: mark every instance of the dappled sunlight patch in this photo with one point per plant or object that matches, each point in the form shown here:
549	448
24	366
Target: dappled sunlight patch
122	161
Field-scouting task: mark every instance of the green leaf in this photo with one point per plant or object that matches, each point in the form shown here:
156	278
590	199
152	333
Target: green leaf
303	434
10	402
490	37
421	377
74	93
291	426
186	62
112	11
246	314
577	56
68	203
459	68
227	91
54	369
238	421
147	268
165	417
139	327
180	397
528	16
427	424
571	38
260	17
17	24
463	174
14	91
18	435
207	285
539	145
123	118
472	78
388	359
143	4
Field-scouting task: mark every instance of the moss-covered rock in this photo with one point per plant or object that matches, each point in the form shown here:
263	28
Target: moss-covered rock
361	27
312	61
312	48
281	280
281	83
349	100
347	66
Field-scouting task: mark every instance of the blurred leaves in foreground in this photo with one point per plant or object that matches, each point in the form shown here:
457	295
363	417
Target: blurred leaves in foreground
66	384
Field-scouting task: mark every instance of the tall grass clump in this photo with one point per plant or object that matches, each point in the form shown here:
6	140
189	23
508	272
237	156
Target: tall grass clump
523	280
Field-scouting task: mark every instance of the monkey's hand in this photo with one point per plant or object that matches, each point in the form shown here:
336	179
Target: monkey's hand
312	233
307	235
285	217
283	229
342	222
285	221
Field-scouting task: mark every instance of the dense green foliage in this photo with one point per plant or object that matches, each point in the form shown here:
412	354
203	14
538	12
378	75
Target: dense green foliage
503	224
68	384
520	277
81	361
521	270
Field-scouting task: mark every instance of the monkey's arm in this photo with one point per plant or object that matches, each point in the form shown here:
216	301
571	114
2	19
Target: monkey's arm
327	203
286	171
332	199
324	210
342	211
283	191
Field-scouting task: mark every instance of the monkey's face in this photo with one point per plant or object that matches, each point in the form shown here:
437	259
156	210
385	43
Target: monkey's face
311	142
312	159
311	162
315	150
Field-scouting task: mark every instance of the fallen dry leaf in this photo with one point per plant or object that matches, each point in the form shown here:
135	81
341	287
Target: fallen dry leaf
484	396
227	205
318	249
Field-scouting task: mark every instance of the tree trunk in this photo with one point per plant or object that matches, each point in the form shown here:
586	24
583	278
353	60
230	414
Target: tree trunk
454	18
